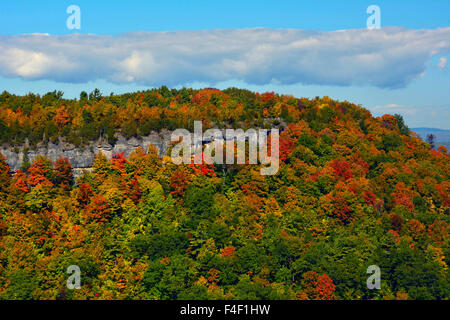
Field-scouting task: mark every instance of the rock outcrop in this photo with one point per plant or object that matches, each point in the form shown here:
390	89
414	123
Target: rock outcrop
83	158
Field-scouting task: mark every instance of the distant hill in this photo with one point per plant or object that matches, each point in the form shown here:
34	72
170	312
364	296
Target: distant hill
442	136
350	190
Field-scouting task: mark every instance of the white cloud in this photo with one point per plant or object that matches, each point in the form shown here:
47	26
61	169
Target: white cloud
395	108
389	106
389	57
442	62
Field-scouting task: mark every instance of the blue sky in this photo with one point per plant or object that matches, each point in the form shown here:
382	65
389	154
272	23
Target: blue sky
420	93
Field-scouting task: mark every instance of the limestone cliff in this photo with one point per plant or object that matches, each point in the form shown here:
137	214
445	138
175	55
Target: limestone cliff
83	158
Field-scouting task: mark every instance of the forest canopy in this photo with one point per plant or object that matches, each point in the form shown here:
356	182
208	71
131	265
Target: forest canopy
352	191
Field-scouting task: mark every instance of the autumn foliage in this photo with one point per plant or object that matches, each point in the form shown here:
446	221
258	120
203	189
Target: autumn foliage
352	191
317	287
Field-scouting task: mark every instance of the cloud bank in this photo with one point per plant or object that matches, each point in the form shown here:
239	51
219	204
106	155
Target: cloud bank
395	108
442	62
387	58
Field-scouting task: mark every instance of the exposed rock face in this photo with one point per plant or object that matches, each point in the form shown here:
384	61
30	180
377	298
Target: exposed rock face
83	158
